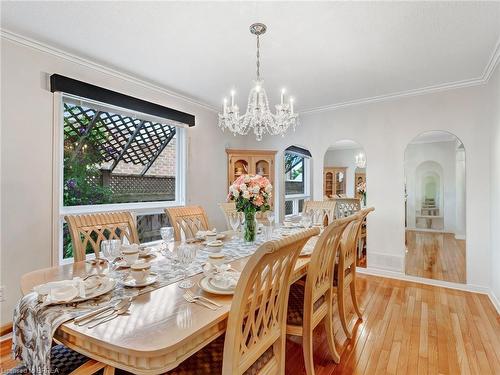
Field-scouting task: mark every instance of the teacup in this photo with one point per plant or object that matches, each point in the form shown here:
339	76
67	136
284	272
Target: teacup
209	237
130	253
140	271
216	258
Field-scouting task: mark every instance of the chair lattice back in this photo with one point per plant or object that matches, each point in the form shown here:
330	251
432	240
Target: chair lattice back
322	212
89	230
257	319
348	243
346	206
228	209
320	271
187	221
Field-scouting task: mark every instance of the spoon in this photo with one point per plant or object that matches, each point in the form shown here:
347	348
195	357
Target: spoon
121	311
101	314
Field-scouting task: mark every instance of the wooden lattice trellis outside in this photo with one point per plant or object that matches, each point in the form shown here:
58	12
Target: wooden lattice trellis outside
120	137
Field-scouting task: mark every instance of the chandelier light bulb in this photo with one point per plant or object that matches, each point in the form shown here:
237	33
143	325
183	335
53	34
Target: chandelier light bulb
282	96
291	105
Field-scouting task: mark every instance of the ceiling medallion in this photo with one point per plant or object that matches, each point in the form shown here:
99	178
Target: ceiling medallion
258	115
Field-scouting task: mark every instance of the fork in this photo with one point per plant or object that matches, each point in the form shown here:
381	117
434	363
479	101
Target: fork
199	297
190	299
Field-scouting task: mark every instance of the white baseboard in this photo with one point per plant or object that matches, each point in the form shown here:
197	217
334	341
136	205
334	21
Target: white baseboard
460	236
440	283
494	300
389	262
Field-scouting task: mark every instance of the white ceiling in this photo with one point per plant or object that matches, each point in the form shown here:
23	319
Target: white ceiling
324	53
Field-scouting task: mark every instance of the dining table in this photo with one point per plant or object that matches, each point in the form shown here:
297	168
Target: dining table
161	328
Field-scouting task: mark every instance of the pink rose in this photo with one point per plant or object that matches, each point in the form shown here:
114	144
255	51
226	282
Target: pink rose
259	201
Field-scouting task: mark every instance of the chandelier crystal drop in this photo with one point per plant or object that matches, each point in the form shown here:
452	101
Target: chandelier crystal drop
258	115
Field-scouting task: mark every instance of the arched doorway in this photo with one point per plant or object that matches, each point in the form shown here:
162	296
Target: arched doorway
435	207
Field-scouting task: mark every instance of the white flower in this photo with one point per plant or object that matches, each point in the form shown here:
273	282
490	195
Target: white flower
243	187
246	194
256	189
235	193
247	179
269	188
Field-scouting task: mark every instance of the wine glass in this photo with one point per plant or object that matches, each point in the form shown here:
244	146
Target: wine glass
306	220
234	221
270	217
186	253
110	250
167	235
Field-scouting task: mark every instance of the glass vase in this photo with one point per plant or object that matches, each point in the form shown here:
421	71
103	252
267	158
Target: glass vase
250	227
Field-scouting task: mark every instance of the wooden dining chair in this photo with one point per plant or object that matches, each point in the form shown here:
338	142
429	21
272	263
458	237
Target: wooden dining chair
228	208
254	342
311	303
87	231
322	212
345	271
187	221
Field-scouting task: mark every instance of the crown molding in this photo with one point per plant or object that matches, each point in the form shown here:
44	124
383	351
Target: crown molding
483	79
43	47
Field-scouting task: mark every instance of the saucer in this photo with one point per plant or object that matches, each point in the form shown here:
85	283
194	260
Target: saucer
216	243
131	282
208	287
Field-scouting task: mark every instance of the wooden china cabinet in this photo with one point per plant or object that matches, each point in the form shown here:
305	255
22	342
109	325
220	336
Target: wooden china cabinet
334	181
250	162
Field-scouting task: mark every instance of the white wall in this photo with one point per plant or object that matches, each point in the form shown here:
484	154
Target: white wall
26	156
495	186
443	153
384	129
345	158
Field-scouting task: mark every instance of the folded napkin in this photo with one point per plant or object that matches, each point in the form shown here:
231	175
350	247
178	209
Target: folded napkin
203	233
61	291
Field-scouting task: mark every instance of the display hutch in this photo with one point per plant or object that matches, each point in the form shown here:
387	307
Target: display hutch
334	181
250	162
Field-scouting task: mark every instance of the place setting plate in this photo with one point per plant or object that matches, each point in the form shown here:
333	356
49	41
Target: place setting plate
133	283
104	285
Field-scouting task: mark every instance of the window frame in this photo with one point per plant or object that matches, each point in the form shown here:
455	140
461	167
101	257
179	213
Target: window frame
295	198
137	208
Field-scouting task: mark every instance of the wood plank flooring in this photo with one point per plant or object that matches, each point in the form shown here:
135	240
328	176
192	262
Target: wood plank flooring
436	256
410	328
407	328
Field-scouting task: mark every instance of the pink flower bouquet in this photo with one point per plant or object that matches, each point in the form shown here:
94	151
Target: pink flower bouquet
251	193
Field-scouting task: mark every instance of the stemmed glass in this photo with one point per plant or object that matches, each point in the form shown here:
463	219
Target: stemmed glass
167	235
186	253
234	221
270	217
306	220
110	250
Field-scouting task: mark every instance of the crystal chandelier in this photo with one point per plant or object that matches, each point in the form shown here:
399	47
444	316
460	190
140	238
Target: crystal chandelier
361	160
258	115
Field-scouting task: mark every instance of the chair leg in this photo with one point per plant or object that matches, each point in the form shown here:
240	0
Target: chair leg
108	370
307	347
352	286
342	316
328	323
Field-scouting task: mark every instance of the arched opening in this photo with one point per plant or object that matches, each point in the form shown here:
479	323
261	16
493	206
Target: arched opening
435	207
344	179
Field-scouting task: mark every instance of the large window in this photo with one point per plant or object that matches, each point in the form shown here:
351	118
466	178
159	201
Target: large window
297	179
114	159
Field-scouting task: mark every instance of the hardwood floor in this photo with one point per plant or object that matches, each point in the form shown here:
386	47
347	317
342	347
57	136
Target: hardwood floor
410	328
436	256
407	328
